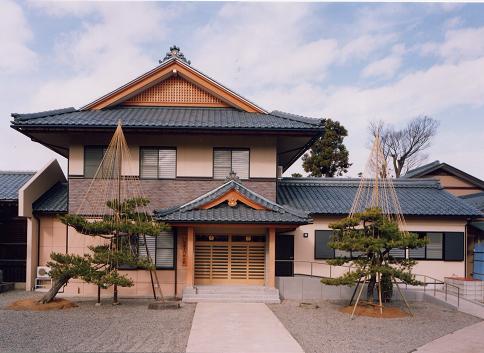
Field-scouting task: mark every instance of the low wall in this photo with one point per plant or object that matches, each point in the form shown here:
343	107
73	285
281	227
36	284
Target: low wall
310	288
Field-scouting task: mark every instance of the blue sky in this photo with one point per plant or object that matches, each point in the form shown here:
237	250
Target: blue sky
350	62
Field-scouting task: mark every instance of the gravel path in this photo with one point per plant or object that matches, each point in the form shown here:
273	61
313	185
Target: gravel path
129	327
328	330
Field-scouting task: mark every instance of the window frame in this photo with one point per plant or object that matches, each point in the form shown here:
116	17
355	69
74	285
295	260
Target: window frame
103	147
175	247
315	245
158	148
425	258
231	149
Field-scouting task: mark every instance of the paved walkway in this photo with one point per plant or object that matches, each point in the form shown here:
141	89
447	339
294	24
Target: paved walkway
239	328
466	340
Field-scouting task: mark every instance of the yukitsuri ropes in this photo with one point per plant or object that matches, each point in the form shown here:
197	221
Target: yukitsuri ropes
114	210
373	237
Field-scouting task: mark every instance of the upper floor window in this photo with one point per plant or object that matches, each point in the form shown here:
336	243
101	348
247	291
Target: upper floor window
226	160
93	155
158	163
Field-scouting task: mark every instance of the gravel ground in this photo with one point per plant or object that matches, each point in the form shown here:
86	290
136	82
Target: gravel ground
327	330
129	327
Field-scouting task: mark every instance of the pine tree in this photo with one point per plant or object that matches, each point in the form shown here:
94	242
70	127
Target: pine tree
371	235
120	230
328	155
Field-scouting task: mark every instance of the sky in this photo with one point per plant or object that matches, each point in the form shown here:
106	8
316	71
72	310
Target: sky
354	63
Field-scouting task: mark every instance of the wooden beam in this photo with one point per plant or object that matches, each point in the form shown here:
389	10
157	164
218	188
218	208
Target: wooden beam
190	270
271	260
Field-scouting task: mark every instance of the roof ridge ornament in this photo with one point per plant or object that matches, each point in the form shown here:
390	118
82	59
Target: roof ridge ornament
175	53
232	176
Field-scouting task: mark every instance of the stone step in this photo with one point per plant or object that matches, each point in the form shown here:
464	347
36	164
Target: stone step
231	294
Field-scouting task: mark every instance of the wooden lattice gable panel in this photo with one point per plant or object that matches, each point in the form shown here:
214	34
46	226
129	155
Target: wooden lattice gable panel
175	91
149	82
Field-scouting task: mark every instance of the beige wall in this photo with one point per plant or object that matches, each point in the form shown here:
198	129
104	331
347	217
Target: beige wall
194	153
455	185
304	248
53	238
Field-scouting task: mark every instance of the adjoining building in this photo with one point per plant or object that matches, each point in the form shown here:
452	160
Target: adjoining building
211	163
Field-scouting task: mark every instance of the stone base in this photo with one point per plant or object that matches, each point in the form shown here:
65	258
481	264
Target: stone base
166	305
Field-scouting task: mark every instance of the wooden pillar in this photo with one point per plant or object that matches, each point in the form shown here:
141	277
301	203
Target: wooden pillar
271	263
190	274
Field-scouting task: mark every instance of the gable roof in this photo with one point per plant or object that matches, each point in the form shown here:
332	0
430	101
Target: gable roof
194	211
173	66
53	201
11	182
476	200
436	165
334	196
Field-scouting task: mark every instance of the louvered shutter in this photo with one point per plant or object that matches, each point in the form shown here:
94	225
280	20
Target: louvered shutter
240	163
165	250
397	253
418	253
92	159
435	246
149	163
151	242
221	163
167	163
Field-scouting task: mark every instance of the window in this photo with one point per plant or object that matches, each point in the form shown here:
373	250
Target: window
227	160
161	249
321	248
447	246
157	163
93	155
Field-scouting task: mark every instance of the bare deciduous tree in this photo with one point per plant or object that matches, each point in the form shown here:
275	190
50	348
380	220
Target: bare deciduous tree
404	148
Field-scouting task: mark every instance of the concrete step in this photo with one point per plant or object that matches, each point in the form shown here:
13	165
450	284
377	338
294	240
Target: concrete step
231	294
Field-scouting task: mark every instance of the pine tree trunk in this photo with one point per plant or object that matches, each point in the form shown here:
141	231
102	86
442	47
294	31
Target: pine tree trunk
371	289
57	284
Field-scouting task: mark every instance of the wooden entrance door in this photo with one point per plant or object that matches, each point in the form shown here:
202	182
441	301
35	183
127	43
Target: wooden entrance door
229	259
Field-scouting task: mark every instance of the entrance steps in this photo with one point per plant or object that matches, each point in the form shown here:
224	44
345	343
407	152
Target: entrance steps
231	294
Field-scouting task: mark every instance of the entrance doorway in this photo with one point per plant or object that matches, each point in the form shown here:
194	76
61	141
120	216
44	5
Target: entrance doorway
284	255
230	259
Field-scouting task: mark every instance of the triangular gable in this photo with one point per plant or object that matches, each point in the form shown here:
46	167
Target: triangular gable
168	69
175	91
233	197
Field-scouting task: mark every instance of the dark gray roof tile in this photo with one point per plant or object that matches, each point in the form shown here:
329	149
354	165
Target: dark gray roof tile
10	184
417	197
52	201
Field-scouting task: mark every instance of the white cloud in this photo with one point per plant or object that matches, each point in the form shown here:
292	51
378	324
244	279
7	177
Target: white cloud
387	67
15	34
104	53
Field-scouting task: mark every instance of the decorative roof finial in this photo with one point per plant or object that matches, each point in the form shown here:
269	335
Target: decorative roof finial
175	53
232	176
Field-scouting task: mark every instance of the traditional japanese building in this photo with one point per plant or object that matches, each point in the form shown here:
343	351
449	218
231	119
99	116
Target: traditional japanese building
211	163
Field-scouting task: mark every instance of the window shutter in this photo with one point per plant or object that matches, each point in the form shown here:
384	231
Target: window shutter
149	163
342	253
167	164
165	250
435	246
92	159
418	253
397	253
321	247
454	246
240	163
221	163
151	242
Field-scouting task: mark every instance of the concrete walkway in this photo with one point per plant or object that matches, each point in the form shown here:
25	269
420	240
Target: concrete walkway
466	340
238	328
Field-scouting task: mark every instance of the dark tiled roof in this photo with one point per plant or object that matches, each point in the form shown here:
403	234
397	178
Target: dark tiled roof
476	200
53	201
436	165
10	184
167	118
417	197
223	213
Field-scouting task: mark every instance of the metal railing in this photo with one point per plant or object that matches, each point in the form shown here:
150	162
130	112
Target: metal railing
427	280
